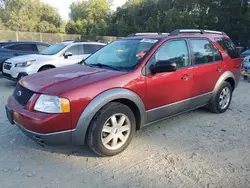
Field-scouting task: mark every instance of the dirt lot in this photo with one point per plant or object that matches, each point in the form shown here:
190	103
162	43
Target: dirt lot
197	149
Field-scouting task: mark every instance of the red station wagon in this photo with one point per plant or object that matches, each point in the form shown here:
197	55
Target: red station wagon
128	84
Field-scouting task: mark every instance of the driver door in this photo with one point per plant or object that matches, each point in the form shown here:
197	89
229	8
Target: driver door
70	60
169	93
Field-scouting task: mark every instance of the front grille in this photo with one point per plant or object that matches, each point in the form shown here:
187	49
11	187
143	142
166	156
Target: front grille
22	95
7	66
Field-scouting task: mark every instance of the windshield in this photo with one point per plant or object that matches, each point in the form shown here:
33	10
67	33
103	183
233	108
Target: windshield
122	54
54	49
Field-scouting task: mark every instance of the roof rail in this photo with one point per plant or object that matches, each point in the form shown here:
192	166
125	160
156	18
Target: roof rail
200	31
147	34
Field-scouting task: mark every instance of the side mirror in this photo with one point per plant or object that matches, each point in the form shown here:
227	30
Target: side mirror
163	66
67	54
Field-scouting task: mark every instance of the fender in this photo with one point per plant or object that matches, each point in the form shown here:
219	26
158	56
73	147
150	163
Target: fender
224	76
78	135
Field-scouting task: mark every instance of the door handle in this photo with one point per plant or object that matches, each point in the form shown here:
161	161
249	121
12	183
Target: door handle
219	69
186	77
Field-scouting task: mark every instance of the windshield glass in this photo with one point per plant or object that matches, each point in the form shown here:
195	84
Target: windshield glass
122	54
54	49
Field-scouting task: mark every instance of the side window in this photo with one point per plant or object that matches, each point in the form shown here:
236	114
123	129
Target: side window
23	47
204	52
41	47
175	51
74	50
228	46
91	48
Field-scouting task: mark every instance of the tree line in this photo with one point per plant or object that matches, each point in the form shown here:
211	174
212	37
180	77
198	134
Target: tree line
96	17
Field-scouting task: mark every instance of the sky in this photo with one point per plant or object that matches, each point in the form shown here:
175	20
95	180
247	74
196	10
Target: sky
63	6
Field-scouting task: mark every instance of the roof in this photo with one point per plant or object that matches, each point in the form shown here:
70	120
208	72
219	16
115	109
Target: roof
22	42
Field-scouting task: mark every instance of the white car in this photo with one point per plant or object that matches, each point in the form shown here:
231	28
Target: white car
57	55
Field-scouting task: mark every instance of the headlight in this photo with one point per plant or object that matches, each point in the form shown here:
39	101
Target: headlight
25	64
52	104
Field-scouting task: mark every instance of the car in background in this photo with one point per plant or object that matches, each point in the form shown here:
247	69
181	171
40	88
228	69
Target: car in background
57	55
246	68
11	49
245	54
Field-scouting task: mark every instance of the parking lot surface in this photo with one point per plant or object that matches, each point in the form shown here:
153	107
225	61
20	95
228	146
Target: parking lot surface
196	149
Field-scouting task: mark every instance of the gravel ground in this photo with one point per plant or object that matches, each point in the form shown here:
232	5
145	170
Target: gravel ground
197	149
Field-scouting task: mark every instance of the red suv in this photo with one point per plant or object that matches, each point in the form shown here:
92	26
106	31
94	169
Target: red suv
128	84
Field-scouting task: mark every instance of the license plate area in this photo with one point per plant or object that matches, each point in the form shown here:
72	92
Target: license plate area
10	114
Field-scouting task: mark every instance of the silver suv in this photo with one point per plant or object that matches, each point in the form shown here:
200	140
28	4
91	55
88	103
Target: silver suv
58	55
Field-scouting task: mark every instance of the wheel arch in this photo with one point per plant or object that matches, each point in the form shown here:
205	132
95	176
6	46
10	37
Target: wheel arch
124	96
47	65
227	76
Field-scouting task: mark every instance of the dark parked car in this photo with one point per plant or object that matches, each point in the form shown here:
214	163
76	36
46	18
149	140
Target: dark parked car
11	49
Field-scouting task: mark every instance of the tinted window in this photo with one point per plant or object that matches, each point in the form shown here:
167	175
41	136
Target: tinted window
41	47
204	51
91	48
74	50
54	49
175	51
22	47
228	46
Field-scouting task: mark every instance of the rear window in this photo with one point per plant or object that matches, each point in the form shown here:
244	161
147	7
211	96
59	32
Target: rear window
228	46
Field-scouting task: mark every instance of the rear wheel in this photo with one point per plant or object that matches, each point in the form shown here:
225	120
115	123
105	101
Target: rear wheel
111	130
223	99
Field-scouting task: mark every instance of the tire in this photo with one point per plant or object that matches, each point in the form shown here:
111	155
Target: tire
102	129
45	68
217	106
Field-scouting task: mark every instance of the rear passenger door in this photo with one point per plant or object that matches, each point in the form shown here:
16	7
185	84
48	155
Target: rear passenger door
208	65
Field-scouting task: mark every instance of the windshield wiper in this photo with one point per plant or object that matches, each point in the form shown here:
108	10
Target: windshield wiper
103	65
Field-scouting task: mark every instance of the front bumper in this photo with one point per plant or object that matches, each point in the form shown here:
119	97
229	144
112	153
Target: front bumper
15	73
58	138
45	129
19	76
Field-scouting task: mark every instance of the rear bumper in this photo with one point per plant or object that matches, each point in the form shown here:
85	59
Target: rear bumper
58	138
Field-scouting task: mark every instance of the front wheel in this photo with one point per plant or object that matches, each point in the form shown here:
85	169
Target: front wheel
223	99
111	130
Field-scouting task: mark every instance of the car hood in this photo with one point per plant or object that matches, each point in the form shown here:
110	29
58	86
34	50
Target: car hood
31	57
63	79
